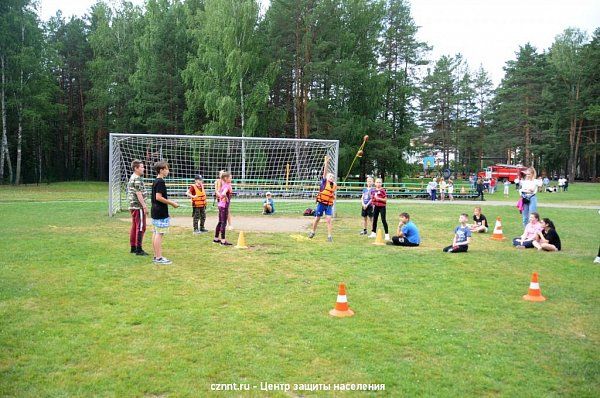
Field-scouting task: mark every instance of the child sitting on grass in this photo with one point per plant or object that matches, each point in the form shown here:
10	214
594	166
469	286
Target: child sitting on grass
407	233
268	204
533	227
480	223
462	236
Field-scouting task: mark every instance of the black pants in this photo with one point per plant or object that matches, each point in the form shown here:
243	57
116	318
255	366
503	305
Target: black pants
459	249
528	243
376	212
199	214
222	224
398	241
479	193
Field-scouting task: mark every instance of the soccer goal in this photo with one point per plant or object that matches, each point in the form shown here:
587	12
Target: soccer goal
290	169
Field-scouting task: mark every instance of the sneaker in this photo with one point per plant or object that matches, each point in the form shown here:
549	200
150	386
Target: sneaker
330	239
311	234
133	250
363	232
196	231
163	261
203	230
597	260
373	235
141	252
387	236
226	243
216	241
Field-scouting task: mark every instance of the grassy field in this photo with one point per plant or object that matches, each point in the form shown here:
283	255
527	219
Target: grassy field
82	317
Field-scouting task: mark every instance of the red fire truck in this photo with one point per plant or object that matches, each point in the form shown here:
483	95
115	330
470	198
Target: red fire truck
502	171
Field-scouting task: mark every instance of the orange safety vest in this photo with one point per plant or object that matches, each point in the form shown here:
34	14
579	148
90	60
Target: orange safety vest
200	199
327	195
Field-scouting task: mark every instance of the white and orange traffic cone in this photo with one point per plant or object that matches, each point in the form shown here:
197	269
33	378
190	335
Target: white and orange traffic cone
497	235
341	309
535	294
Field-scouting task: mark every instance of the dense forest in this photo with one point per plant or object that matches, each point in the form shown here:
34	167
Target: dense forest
334	69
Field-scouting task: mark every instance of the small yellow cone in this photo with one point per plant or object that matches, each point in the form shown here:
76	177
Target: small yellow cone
379	239
241	243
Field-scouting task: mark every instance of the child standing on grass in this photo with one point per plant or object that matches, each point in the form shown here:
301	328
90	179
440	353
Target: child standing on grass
224	198
367	205
136	193
198	195
480	223
218	183
407	233
160	211
506	187
462	236
379	199
325	199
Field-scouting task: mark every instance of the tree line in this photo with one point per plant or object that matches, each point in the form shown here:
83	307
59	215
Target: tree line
331	69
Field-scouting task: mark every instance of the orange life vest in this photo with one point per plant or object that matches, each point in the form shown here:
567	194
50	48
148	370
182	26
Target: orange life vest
200	199
327	195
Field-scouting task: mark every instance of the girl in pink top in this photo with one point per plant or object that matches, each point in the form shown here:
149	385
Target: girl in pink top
223	196
532	229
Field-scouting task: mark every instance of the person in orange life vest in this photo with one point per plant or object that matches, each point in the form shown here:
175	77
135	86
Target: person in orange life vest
379	199
325	199
197	194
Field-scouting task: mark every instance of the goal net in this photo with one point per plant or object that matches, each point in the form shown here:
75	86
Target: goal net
291	169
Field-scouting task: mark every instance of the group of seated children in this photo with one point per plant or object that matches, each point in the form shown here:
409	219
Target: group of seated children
540	234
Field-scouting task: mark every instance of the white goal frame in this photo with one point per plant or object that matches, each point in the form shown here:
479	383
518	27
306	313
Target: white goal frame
295	179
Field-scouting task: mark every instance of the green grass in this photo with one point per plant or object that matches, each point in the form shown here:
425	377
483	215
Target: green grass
82	317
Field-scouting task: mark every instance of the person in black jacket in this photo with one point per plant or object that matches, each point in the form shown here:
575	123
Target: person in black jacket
547	240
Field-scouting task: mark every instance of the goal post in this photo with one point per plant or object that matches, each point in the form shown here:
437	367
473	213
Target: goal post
291	169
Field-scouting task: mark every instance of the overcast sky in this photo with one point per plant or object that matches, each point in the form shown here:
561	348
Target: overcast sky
486	32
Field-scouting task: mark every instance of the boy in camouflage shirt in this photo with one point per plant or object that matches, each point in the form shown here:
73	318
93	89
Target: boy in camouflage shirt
136	194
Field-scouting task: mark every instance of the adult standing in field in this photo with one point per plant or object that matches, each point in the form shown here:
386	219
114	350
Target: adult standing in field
432	189
136	194
529	187
493	185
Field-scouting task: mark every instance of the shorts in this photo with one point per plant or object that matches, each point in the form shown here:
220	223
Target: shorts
161	226
482	231
368	212
321	208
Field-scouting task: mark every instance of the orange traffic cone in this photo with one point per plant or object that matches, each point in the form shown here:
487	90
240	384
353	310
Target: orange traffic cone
535	294
497	235
241	243
379	239
341	309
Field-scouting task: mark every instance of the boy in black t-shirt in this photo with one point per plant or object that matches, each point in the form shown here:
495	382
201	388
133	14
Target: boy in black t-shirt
480	223
160	211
